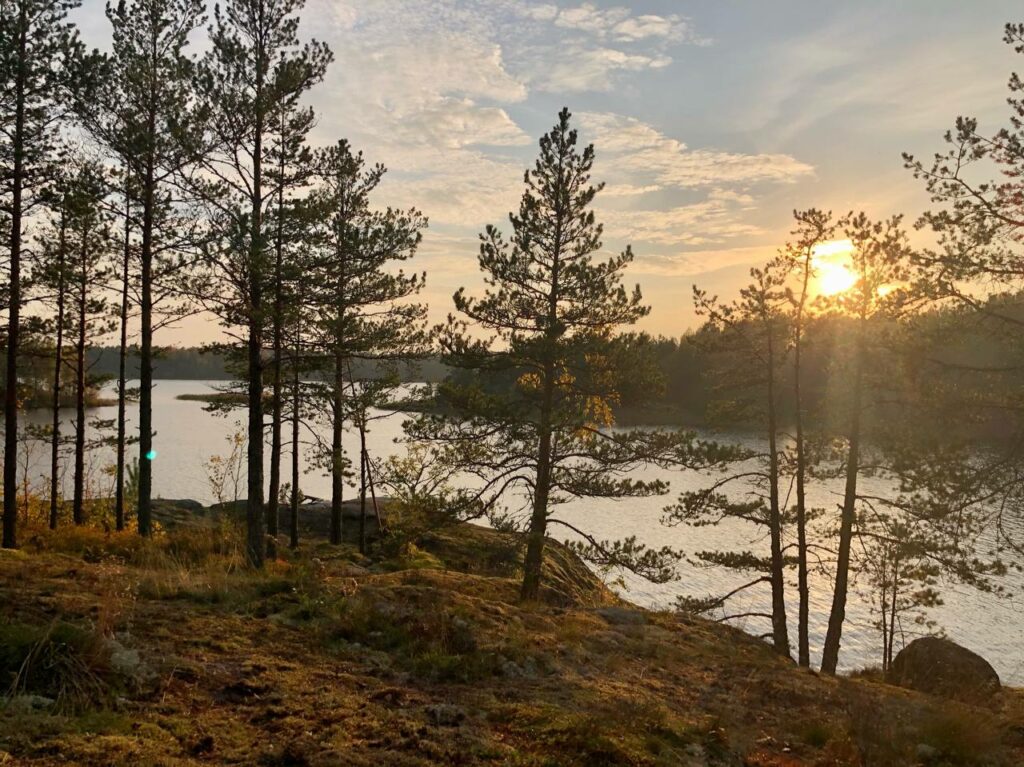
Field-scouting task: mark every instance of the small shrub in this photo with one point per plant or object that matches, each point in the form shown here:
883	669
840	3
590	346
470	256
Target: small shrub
961	737
68	664
816	734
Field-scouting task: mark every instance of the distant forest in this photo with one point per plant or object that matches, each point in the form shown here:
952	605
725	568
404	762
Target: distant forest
196	363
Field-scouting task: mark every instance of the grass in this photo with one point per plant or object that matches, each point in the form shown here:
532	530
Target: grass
67	664
420	657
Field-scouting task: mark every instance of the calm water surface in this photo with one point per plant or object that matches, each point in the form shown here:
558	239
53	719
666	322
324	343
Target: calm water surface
186	437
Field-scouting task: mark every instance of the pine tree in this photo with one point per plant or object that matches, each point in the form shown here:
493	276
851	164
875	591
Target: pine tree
290	168
749	337
50	275
141	109
90	243
121	441
879	260
361	309
976	269
39	51
546	320
254	67
813	229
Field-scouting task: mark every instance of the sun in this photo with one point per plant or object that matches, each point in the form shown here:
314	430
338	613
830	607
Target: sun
831	262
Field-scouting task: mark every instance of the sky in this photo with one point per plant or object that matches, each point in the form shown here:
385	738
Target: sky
712	121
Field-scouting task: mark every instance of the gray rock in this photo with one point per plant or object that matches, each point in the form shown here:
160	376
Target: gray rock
27	703
126	662
941	667
926	753
445	715
695	755
622	616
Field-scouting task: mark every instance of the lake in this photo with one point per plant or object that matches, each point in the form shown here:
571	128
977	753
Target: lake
186	437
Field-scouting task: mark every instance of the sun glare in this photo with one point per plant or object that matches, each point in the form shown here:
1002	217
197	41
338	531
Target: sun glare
831	263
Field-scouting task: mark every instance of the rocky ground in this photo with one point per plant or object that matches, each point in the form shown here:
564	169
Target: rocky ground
170	653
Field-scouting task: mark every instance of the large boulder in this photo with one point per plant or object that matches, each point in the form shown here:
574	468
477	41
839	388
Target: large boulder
941	667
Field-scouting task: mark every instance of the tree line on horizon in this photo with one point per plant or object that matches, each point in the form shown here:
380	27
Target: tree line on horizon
150	183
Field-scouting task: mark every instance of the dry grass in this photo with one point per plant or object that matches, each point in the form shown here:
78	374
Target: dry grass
319	661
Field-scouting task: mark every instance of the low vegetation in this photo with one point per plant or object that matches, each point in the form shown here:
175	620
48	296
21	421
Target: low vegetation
119	650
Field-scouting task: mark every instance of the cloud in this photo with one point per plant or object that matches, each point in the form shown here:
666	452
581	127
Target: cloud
700	262
852	69
618	23
717	218
455	123
643	27
595	46
628	190
581	67
429	87
644	156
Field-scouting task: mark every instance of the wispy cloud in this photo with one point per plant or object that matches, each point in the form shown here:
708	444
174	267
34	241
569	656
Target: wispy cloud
640	151
617	23
720	217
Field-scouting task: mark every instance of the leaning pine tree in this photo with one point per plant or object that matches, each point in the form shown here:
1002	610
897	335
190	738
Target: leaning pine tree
546	320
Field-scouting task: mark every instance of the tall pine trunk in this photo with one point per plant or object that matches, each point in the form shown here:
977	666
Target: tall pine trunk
534	560
362	482
255	510
296	403
780	630
58	362
10	522
803	587
121	382
277	399
337	457
78	499
830	653
146	453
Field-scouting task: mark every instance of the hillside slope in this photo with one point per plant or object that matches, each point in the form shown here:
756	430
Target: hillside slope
170	654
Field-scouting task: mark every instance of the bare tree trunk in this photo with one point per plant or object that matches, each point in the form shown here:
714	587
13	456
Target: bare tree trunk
255	510
362	482
121	382
277	409
780	629
337	457
892	614
10	522
296	404
57	364
373	495
146	452
78	499
534	560
830	652
803	586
